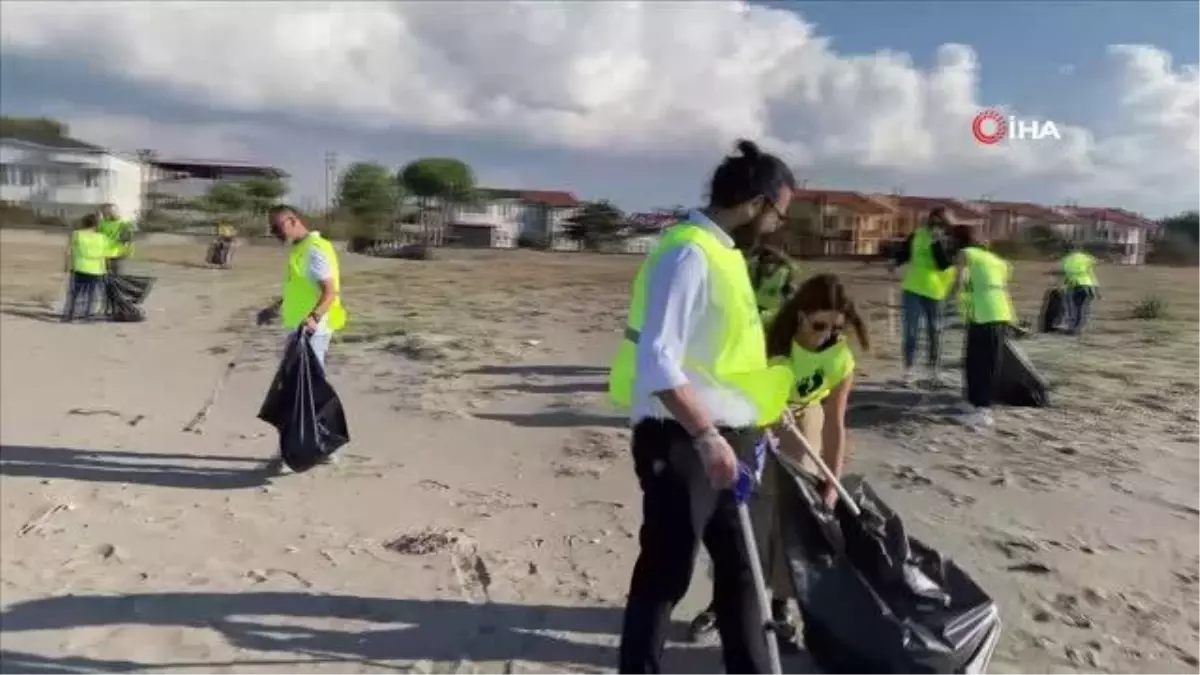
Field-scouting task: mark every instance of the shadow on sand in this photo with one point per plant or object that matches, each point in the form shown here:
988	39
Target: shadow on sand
282	627
197	472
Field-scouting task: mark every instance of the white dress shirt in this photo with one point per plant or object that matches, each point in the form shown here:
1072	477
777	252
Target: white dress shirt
681	321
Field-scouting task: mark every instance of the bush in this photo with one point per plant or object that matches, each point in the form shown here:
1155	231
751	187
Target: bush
1174	249
1149	308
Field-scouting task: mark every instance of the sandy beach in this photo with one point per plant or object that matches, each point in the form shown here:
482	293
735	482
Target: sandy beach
484	516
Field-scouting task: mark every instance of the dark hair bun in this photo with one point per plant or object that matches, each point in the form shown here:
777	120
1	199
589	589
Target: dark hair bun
749	149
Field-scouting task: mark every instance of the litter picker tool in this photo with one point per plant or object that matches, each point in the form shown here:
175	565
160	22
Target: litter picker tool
748	478
202	416
789	427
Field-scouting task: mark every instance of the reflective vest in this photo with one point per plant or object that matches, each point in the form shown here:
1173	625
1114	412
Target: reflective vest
115	230
1079	269
817	373
741	363
301	294
89	252
922	276
772	289
988	275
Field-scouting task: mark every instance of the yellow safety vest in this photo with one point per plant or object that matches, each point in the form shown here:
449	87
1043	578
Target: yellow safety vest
741	363
1079	269
301	294
989	274
818	373
771	292
89	252
114	230
922	276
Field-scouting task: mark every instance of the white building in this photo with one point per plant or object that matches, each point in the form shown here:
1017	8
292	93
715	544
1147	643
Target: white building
65	178
502	218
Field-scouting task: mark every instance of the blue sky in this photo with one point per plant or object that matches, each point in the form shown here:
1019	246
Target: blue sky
1046	59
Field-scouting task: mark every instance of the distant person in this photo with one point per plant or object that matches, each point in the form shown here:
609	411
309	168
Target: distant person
926	284
120	235
1079	275
693	372
222	250
808	336
87	258
775	277
990	313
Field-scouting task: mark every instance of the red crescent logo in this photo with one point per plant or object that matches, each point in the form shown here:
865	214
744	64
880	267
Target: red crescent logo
999	129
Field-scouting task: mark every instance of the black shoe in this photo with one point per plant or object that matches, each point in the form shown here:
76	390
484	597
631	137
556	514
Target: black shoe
704	623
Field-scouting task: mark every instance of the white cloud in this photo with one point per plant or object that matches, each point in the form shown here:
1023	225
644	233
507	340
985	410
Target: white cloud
177	140
633	78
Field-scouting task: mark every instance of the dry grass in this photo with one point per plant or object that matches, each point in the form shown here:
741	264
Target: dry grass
465	307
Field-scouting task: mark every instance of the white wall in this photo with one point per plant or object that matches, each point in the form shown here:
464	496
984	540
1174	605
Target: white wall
67	183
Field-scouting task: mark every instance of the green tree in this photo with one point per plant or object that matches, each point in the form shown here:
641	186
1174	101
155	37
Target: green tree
32	128
1186	225
368	193
263	192
596	224
443	178
227	199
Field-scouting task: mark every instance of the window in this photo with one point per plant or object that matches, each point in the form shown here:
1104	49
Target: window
7	174
27	177
91	178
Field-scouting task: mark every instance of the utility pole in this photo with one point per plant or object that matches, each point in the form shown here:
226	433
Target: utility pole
330	179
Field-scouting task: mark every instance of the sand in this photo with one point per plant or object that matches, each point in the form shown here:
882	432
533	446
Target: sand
483	517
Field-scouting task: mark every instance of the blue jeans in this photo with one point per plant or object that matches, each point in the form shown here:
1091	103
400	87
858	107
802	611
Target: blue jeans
81	295
1081	307
319	341
914	308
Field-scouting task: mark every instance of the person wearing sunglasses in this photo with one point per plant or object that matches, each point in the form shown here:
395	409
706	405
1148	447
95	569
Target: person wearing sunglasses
692	370
808	337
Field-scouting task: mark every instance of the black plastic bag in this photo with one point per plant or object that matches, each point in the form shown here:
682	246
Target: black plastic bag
1054	311
124	295
873	599
1017	382
219	253
304	408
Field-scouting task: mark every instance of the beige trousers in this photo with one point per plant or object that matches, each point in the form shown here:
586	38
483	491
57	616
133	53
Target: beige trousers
765	508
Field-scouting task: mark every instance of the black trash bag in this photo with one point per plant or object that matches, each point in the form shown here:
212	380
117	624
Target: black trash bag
1054	311
304	408
1017	382
124	295
219	253
873	599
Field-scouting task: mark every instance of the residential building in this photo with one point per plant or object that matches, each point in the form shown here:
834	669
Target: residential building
1123	233
1009	220
65	178
914	210
500	218
839	223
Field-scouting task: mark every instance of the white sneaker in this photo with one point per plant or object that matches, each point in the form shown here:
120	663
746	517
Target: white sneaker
908	378
978	419
936	379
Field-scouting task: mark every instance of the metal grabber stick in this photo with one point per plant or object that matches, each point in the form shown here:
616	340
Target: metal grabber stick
747	480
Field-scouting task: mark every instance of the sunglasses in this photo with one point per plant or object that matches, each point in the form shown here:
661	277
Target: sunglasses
826	326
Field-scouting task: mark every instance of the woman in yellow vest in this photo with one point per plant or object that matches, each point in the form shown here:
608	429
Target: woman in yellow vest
808	337
989	315
87	261
774	276
692	371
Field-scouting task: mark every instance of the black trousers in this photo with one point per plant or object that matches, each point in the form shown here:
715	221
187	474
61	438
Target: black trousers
985	346
679	511
81	295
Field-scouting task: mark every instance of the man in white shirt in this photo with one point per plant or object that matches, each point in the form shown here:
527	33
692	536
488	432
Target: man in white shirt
690	427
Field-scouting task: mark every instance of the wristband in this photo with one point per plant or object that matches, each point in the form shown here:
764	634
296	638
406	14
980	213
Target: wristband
705	434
